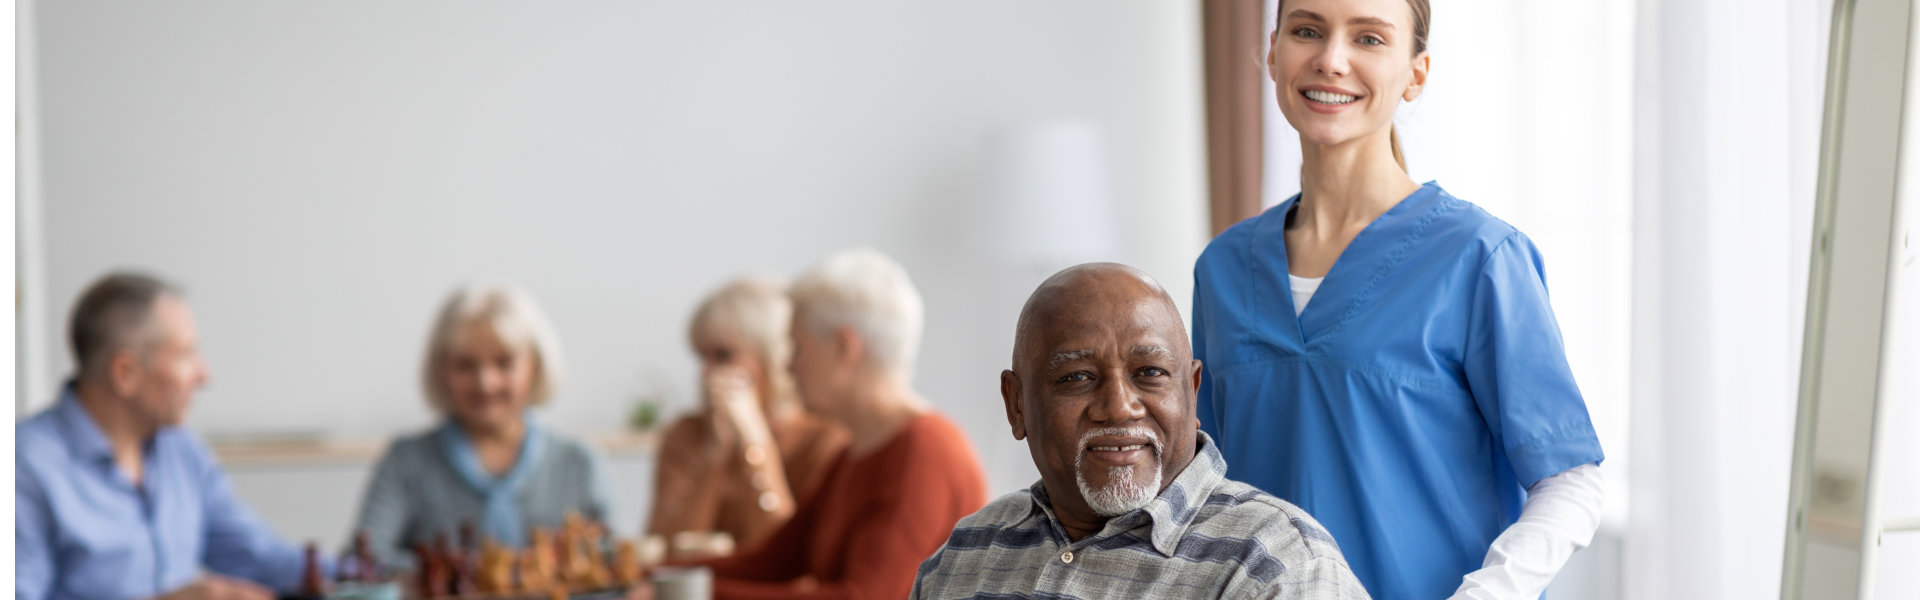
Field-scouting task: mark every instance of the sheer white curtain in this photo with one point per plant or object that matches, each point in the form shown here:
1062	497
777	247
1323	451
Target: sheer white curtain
1728	109
1662	153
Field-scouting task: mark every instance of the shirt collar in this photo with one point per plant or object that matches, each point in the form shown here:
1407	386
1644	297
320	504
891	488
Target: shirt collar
83	436
1169	513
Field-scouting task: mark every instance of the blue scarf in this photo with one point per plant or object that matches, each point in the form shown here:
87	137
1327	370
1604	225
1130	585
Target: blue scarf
501	519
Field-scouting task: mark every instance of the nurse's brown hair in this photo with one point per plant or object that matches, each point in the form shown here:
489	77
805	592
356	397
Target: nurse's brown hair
1422	19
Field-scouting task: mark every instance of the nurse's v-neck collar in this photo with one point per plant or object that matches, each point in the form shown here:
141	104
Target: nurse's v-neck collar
1360	266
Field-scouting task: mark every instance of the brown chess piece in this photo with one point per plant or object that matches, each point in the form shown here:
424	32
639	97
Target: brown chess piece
598	576
538	566
366	565
573	526
420	560
532	578
313	583
496	569
577	560
563	552
626	564
441	576
463	559
460	564
468	541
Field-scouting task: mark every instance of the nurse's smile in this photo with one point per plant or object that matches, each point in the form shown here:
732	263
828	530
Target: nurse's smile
1329	99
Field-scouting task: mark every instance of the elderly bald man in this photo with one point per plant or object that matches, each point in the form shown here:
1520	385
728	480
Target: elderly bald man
1133	500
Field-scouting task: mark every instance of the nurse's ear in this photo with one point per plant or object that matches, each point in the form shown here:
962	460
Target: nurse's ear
1016	414
1273	67
1419	80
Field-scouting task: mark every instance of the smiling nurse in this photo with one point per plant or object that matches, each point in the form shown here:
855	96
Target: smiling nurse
1383	354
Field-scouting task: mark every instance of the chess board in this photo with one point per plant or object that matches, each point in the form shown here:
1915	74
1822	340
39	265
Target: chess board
580	561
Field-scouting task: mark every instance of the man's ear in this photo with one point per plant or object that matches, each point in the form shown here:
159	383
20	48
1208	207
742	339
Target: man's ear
1195	389
124	372
1016	414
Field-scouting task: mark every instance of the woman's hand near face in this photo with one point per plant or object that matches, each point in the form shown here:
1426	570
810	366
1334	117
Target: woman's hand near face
734	414
754	458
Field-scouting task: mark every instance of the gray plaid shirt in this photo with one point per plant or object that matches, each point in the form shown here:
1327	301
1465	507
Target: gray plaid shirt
1205	536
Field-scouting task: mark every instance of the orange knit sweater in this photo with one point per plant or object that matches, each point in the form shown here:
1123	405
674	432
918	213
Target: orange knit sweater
874	518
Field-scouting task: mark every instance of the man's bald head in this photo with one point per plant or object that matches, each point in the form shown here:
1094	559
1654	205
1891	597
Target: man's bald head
1083	288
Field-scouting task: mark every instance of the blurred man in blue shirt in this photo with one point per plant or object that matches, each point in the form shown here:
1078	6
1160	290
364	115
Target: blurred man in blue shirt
112	499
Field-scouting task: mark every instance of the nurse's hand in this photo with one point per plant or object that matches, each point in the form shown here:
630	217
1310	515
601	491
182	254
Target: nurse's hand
215	587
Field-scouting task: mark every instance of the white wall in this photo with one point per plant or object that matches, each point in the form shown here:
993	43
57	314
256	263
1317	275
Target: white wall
319	174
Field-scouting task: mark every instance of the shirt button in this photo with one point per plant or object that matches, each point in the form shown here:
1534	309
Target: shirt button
1066	557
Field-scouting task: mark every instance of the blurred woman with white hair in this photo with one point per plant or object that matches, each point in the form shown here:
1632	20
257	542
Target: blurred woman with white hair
908	474
741	462
492	357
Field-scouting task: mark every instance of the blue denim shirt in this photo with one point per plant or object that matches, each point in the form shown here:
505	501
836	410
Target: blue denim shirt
81	529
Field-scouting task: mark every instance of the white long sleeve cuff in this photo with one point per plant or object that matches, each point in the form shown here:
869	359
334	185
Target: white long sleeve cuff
1559	518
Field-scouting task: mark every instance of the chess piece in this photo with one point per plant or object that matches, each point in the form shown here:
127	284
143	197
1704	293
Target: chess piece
533	578
464	559
345	568
575	562
495	572
446	565
420	560
626	564
549	548
573	565
574	527
366	566
313	583
432	572
462	580
598	576
468	541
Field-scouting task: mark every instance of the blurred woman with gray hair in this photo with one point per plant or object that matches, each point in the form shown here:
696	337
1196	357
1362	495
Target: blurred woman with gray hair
908	473
750	452
492	356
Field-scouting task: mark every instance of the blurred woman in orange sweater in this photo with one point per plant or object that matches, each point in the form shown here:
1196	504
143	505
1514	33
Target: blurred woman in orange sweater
909	474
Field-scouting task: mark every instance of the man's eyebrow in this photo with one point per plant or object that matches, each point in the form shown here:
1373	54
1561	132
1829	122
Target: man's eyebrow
1060	358
1153	350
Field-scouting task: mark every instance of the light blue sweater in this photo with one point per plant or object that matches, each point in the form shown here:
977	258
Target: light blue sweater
416	493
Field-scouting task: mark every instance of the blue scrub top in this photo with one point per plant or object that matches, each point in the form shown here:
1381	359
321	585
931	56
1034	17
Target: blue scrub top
1424	387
